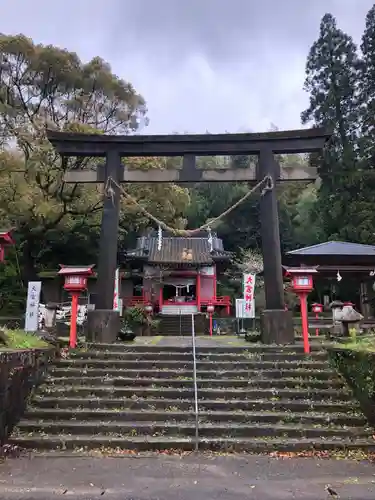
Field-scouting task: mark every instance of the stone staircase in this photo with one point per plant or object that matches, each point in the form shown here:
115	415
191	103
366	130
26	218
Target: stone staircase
132	397
172	325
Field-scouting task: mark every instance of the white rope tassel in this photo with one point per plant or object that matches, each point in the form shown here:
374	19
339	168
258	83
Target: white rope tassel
109	192
210	239
160	238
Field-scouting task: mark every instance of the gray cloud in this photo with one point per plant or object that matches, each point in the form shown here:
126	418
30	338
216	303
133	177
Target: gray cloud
201	64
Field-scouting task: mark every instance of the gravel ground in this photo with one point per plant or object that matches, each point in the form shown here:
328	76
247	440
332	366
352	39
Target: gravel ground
192	477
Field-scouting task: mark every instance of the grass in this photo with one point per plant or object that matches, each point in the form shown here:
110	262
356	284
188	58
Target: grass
360	344
19	339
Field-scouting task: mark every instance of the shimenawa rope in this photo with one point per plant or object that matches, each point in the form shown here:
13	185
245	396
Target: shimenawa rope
266	182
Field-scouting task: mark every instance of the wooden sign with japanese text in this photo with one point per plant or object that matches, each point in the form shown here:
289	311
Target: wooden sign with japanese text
32	306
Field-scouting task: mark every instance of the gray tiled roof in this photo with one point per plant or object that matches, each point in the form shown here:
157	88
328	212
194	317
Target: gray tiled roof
172	250
336	248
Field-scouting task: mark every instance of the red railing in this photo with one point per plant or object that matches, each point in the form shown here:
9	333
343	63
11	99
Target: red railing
135	301
177	303
142	301
219	301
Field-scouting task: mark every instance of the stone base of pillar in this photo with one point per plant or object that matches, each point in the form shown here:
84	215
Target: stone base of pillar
103	326
276	327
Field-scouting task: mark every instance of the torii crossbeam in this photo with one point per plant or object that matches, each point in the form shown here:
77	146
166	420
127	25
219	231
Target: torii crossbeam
276	322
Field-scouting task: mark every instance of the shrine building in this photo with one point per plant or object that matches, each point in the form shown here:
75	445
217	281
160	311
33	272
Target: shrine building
175	275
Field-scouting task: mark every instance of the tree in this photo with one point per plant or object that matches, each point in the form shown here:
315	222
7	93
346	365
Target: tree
332	73
44	86
367	89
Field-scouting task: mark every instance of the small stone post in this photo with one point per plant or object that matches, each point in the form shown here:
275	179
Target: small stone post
50	316
336	307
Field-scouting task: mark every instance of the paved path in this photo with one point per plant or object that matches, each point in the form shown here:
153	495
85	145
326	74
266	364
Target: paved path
205	341
184	478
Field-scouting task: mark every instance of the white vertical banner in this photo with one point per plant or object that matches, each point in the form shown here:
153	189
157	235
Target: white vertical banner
248	294
32	306
116	293
241	311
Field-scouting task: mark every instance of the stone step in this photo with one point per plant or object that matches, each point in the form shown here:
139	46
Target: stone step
187	381
151	443
187	429
134	356
225	349
289	405
262	356
211	393
171	414
69	373
244	356
185	333
201	365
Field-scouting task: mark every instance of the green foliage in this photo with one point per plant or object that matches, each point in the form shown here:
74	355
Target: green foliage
135	317
12	290
367	90
364	343
45	86
333	78
19	339
356	363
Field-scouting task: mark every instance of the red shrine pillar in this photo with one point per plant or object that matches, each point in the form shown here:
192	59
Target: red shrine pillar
198	290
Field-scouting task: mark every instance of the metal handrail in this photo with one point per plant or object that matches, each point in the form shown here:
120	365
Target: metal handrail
195	384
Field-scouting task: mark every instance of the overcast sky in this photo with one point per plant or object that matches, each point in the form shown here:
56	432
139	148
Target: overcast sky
202	65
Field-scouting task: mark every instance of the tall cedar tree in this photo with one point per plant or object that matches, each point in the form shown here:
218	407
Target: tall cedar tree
332	73
366	180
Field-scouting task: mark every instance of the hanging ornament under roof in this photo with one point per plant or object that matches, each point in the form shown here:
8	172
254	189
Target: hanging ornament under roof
160	238
210	239
338	276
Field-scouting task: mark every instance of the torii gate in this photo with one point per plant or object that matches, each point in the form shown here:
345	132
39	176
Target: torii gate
276	323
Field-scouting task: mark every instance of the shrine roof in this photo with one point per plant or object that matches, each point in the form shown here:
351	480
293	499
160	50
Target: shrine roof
335	248
174	250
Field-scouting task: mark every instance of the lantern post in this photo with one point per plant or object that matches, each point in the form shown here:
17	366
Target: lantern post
302	285
149	310
317	309
6	240
210	310
75	284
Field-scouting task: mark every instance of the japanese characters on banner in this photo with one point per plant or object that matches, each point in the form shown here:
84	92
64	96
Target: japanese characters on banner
248	294
116	302
32	306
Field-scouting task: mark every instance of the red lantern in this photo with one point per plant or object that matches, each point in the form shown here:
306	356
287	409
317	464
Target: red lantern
6	240
149	309
302	285
75	283
210	310
317	308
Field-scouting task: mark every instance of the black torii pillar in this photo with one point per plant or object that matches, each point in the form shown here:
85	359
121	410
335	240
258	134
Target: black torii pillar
276	322
103	323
